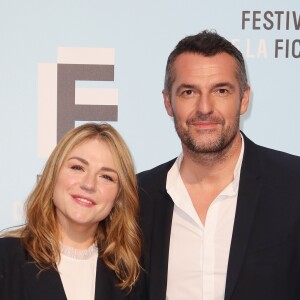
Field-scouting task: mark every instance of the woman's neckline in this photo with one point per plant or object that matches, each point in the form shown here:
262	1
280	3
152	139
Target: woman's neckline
80	254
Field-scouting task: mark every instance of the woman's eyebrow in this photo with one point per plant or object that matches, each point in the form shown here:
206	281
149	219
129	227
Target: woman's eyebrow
108	169
84	161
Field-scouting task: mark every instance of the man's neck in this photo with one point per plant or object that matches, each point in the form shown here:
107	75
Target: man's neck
205	177
205	166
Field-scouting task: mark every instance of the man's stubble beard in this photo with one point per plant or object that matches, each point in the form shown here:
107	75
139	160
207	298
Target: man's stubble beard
218	146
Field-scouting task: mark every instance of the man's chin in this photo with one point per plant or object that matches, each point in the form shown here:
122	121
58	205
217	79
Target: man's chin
210	146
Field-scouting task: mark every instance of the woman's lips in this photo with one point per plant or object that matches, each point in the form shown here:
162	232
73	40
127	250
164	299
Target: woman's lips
84	201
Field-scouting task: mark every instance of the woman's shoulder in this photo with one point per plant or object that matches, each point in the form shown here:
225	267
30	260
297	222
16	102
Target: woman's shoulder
11	268
10	246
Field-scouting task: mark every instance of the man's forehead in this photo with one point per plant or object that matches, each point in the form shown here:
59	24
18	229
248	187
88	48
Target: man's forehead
190	64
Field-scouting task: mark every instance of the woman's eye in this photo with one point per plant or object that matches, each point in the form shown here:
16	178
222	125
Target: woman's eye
77	168
107	177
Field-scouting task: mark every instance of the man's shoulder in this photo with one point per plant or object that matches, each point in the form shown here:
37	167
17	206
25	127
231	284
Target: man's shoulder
282	166
152	182
153	195
274	163
273	154
280	157
159	172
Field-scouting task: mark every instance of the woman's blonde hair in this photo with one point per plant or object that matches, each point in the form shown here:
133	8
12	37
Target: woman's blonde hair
117	236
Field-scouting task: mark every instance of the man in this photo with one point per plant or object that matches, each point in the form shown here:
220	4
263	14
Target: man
222	221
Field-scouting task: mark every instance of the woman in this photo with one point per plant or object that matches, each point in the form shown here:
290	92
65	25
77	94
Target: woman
81	238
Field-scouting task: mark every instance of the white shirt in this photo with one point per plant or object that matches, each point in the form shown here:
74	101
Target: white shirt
77	269
198	255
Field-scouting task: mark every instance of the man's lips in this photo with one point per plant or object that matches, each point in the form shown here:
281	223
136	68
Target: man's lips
82	200
204	124
205	121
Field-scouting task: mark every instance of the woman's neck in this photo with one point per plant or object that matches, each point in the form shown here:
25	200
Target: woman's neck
76	236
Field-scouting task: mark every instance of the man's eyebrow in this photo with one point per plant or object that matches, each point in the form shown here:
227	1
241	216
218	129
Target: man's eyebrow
223	84
215	85
185	86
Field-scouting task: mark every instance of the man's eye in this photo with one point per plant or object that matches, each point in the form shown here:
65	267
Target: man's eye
77	167
222	91
188	92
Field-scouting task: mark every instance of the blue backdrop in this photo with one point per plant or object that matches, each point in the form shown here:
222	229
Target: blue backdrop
138	36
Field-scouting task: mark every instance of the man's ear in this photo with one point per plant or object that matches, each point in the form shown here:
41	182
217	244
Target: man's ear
167	102
245	100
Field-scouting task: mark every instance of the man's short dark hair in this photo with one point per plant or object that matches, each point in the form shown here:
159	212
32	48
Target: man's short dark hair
206	43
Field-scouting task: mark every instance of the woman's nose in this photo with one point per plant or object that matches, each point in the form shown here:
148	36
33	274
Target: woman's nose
89	183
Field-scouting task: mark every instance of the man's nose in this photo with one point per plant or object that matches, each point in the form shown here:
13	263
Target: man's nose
204	104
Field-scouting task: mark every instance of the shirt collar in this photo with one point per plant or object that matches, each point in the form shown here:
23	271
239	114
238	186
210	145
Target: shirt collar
174	178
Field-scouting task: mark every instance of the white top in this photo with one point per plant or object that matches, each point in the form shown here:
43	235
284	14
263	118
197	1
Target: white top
198	255
77	269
